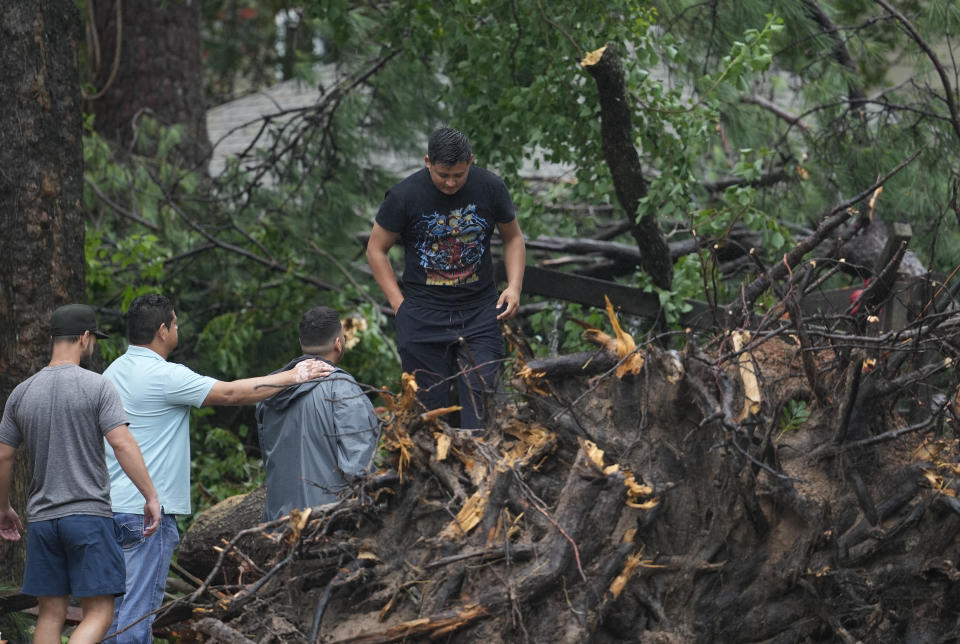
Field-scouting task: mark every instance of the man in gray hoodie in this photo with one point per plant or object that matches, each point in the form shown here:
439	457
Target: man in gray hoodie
318	437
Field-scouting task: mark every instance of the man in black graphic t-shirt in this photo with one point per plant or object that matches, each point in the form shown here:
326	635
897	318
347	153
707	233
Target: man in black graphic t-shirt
448	308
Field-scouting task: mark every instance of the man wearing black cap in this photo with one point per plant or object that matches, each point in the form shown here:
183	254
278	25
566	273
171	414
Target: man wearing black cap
63	413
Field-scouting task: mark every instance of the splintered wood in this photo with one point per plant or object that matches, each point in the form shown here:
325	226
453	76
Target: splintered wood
468	517
748	374
593	57
430	627
533	442
630	358
636	492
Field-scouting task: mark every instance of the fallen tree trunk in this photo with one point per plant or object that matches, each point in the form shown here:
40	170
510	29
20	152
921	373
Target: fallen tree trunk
738	242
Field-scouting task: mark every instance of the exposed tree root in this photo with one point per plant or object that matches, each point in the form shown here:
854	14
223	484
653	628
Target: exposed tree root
658	497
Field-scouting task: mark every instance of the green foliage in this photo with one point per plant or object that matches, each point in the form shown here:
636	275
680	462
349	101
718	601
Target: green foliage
793	415
842	146
744	205
15	626
751	54
246	44
125	256
110	264
220	465
687	283
223	345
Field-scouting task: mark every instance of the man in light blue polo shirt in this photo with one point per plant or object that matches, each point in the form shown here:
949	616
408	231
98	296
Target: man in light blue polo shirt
157	396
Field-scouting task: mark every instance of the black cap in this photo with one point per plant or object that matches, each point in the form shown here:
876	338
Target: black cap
74	319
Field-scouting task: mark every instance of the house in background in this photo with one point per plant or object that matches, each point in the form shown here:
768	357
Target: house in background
234	125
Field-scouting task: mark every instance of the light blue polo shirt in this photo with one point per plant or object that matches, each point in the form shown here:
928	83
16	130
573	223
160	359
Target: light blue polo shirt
157	396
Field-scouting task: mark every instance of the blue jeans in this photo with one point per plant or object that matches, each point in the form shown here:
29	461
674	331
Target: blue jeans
147	560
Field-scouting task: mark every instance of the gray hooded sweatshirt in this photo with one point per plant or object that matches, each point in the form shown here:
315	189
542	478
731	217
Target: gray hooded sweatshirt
315	439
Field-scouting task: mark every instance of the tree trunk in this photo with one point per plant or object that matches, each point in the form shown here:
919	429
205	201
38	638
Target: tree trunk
159	71
215	526
616	132
41	223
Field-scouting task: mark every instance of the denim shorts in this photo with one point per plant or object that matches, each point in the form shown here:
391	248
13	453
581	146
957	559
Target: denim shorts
75	555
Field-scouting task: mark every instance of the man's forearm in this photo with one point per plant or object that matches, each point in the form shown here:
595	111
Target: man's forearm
248	391
10	524
252	390
6	473
515	259
386	280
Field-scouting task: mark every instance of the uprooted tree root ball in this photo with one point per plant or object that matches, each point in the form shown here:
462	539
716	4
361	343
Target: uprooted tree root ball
635	494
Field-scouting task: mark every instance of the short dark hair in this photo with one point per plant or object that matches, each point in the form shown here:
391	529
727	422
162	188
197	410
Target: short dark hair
319	327
145	316
448	146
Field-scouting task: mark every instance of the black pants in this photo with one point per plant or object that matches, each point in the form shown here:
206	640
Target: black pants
436	345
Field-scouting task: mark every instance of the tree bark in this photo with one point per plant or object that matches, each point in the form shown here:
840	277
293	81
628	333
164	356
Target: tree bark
616	133
159	70
41	222
217	525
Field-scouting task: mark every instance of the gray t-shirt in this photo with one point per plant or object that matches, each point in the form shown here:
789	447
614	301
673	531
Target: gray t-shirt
62	414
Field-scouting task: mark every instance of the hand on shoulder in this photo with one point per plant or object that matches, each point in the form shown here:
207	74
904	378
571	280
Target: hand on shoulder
311	370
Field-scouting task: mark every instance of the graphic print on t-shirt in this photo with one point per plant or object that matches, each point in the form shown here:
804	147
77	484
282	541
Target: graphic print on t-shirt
450	246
